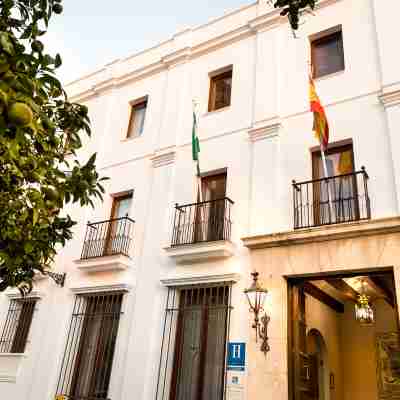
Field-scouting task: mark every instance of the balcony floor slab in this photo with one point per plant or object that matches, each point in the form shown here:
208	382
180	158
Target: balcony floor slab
197	252
105	263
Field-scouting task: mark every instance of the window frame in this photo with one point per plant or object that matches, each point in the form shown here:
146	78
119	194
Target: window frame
13	337
134	106
339	147
214	78
326	37
73	354
167	373
334	148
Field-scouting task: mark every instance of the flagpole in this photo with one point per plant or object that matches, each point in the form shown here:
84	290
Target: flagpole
326	173
323	158
198	176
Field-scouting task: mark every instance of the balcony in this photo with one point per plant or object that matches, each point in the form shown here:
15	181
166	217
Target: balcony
107	245
202	231
334	200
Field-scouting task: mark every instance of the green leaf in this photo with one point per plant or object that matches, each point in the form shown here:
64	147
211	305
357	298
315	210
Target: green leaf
6	43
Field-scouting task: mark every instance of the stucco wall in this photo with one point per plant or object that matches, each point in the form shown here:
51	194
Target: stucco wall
269	93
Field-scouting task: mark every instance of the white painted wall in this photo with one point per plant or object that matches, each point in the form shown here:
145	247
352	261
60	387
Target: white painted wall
269	94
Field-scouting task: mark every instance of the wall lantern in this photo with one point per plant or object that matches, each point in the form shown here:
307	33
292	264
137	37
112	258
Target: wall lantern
363	309
256	296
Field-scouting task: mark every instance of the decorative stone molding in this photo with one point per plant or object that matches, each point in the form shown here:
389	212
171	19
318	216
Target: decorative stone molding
191	253
163	159
264	132
107	263
14	294
10	364
114	287
321	234
176	57
390	99
182	280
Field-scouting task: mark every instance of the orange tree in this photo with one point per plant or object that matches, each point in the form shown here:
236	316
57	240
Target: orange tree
38	127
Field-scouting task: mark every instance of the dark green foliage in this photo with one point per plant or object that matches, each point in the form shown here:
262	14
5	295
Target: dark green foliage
293	8
37	123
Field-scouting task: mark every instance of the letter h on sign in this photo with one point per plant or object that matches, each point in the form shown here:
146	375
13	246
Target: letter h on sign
236	356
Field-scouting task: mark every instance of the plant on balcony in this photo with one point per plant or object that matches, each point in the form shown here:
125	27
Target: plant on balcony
39	135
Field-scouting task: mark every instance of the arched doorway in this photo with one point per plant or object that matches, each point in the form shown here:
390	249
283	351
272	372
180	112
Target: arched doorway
318	358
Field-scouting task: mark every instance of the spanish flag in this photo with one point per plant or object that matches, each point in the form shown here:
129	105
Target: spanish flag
321	126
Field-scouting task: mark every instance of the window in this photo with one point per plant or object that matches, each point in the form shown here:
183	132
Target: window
137	118
220	90
327	54
113	236
341	186
211	223
118	234
89	352
197	319
17	325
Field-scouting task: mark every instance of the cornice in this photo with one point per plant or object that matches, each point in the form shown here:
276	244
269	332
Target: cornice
351	230
185	280
390	99
264	131
115	287
268	20
163	159
177	57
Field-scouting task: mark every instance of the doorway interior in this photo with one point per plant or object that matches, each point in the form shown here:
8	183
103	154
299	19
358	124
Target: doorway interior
343	336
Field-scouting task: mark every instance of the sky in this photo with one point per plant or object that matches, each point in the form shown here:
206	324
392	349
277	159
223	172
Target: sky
92	33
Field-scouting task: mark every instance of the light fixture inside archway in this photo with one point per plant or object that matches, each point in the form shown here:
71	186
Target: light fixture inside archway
364	312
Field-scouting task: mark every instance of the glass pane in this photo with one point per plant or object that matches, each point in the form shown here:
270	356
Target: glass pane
328	55
188	376
341	189
215	354
223	92
122	207
137	120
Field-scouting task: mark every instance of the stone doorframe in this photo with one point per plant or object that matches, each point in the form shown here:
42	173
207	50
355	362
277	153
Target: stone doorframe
338	249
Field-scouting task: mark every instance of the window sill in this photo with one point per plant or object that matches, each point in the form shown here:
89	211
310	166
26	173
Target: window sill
10	365
331	75
131	138
216	111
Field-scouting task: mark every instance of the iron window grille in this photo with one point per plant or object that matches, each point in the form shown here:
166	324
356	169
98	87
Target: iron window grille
193	353
89	352
17	325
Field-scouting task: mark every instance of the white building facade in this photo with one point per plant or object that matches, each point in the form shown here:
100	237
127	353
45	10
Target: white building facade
126	324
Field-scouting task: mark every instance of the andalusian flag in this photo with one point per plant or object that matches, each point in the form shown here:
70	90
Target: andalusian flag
195	144
321	127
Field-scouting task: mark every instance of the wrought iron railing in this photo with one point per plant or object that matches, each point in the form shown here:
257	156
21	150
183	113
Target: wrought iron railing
108	238
206	221
333	200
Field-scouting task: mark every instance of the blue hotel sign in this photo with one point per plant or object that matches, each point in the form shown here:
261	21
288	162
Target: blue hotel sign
236	356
